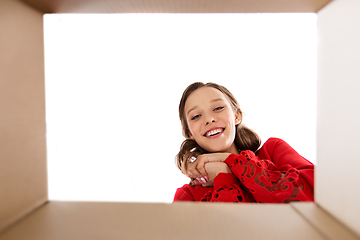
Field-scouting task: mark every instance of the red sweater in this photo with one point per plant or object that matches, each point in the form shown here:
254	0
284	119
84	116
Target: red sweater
276	174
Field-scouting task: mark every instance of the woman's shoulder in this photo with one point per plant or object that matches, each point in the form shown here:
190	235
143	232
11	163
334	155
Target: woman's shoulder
272	142
280	153
272	148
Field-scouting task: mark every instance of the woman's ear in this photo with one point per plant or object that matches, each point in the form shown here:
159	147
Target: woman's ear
191	136
237	118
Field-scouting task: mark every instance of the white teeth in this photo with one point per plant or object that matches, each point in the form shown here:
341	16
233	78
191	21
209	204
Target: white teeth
213	132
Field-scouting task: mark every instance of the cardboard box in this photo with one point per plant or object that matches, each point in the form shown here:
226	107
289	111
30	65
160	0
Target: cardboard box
26	213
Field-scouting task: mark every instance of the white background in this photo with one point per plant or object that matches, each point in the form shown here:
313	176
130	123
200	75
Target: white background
114	82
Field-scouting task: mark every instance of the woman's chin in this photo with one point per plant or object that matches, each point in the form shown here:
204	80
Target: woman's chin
223	149
217	150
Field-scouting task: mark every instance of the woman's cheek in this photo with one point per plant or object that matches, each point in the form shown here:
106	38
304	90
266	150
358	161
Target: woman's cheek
195	129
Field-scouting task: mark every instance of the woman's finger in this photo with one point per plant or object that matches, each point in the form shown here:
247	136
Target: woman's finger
192	171
195	182
195	174
200	167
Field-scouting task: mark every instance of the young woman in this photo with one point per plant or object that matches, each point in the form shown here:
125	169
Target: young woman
223	159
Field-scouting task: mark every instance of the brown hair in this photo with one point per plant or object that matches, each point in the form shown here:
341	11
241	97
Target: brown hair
245	138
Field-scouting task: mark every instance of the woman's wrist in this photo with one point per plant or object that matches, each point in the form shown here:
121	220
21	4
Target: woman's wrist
214	169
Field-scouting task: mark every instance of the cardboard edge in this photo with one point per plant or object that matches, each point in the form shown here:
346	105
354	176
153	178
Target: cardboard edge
321	6
23	127
59	219
326	224
86	6
36	7
23	216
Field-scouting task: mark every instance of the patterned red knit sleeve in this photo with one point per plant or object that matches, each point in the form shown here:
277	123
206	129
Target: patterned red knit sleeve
227	189
266	182
281	154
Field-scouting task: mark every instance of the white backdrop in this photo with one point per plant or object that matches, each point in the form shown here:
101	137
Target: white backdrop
114	82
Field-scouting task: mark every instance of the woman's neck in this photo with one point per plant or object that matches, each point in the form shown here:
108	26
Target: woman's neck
233	149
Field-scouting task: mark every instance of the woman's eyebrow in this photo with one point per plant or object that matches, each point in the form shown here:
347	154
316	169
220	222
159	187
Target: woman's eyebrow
217	99
191	109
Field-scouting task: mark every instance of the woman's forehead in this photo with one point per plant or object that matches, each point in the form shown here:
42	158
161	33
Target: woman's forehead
206	93
203	95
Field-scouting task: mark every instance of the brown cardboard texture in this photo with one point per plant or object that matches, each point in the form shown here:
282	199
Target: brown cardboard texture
23	175
84	220
23	171
323	222
174	6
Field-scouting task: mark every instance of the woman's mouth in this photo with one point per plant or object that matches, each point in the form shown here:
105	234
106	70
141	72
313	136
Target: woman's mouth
214	132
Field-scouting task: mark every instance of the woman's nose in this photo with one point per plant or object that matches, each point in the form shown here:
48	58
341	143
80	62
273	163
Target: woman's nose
210	120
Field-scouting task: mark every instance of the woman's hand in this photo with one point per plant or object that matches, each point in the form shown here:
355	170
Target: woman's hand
213	169
196	169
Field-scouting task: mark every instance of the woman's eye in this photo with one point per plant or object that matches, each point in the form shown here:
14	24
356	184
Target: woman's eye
195	117
218	108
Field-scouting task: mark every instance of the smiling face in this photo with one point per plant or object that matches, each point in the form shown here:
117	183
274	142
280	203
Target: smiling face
211	120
